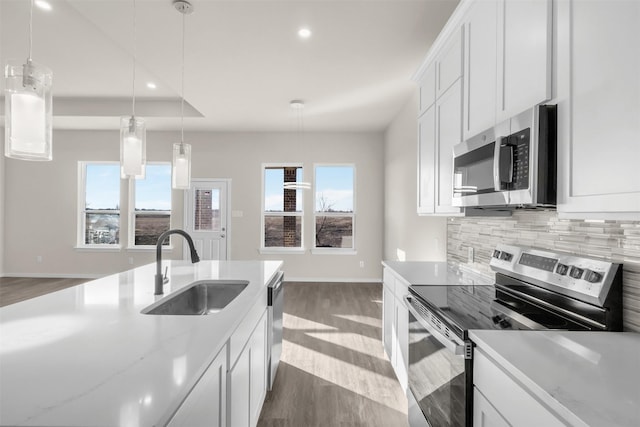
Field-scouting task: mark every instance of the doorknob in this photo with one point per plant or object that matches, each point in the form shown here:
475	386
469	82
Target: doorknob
222	236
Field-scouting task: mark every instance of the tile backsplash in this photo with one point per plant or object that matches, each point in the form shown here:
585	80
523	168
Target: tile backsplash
618	241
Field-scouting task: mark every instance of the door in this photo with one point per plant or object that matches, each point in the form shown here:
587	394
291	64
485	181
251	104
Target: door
206	218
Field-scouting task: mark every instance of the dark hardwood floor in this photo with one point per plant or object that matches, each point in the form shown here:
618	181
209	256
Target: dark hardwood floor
16	289
333	370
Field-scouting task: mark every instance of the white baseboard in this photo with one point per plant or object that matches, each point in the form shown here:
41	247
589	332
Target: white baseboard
55	275
333	279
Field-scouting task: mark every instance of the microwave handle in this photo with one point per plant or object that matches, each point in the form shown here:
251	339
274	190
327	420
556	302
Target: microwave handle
502	164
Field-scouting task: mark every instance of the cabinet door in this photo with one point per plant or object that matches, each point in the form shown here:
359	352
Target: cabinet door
258	373
239	389
449	63
206	404
485	415
480	67
428	88
524	70
388	314
426	161
599	109
402	347
449	133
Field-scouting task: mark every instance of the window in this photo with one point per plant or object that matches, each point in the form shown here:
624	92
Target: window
334	214
99	202
150	204
282	208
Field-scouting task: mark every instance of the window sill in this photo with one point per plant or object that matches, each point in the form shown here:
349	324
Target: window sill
334	251
98	248
283	251
147	248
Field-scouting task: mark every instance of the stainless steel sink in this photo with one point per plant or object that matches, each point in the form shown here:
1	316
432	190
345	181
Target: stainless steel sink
199	298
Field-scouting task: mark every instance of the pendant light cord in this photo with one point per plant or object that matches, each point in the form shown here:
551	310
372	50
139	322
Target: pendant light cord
30	31
135	52
182	89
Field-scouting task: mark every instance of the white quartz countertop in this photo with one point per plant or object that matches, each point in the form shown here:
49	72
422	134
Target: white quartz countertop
436	273
588	378
86	356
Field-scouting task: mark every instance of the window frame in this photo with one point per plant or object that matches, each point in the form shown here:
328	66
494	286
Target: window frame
131	232
334	251
263	213
82	211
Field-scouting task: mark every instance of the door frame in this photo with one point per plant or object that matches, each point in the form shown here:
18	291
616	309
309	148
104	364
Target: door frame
186	217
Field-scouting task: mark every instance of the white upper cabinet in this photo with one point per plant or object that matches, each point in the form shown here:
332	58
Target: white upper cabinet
426	161
598	90
480	67
449	133
428	88
524	55
449	63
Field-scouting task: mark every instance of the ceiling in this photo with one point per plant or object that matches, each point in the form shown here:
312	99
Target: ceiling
244	61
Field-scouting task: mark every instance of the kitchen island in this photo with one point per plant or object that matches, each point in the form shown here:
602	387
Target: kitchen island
86	356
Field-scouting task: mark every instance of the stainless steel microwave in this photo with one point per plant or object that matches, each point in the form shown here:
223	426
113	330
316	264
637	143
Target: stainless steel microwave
511	164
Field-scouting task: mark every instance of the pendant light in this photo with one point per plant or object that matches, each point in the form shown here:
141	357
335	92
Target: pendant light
181	170
297	106
133	130
28	108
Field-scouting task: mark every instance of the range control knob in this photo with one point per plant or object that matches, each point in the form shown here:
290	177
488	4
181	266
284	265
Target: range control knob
504	324
592	276
506	256
562	269
576	272
496	319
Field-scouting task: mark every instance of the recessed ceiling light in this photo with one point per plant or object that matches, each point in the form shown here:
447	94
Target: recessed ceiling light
151	85
43	5
304	33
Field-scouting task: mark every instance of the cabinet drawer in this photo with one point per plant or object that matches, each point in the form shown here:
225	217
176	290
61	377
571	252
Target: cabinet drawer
449	63
507	396
242	333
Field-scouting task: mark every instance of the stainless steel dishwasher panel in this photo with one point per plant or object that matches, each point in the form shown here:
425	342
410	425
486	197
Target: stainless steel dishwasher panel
275	311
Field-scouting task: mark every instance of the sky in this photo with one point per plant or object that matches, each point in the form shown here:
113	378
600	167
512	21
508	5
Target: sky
103	187
333	184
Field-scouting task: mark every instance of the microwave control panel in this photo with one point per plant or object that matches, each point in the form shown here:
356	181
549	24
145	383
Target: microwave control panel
516	146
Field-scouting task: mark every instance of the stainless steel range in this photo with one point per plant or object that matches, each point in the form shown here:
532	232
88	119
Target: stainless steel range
533	289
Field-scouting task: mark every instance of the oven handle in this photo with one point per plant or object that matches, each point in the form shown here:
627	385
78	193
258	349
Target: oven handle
451	344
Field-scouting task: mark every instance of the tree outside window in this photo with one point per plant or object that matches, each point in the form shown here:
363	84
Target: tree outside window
334	206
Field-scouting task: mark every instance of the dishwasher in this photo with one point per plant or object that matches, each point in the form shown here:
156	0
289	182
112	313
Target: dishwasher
275	300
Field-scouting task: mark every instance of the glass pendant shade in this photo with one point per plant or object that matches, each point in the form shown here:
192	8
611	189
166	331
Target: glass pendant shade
133	147
28	111
181	170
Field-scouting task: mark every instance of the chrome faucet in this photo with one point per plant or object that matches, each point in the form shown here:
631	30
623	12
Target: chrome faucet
160	280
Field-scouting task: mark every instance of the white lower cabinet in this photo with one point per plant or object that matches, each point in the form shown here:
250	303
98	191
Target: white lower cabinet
395	327
206	403
484	414
499	400
248	379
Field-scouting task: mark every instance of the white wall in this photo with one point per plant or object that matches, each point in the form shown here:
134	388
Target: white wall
41	211
406	235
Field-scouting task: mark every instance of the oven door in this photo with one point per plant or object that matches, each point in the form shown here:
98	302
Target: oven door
478	169
439	375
